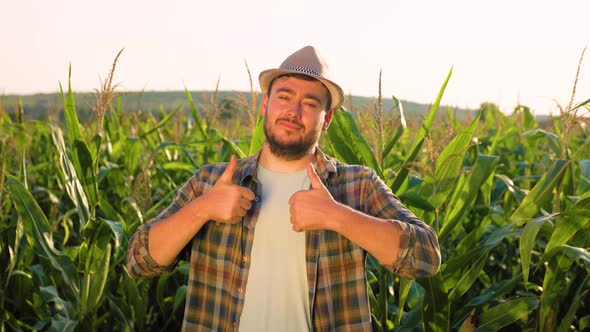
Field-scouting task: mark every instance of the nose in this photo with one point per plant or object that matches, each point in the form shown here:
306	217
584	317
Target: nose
295	109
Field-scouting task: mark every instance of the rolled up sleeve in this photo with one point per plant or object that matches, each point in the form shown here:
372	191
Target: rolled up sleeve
419	250
140	263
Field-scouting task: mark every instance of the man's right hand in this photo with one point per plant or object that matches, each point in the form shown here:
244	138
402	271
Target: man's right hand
227	202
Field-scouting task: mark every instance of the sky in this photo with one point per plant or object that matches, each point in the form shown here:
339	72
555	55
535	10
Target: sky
507	52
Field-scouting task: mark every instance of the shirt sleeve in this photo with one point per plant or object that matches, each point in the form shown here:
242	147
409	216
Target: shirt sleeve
418	243
140	263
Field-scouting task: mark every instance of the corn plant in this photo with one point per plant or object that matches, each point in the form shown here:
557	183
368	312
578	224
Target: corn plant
508	196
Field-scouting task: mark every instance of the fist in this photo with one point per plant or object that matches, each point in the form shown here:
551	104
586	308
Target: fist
227	202
311	209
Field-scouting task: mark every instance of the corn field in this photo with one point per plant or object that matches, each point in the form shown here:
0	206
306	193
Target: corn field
509	197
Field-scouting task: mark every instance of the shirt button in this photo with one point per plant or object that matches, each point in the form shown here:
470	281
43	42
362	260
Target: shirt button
249	226
245	258
240	290
256	198
235	324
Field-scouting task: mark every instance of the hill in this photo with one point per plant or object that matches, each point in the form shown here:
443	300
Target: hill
48	105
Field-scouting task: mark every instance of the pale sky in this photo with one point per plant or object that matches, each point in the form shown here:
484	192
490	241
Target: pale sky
501	51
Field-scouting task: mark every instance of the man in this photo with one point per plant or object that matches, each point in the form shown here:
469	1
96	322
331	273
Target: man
278	240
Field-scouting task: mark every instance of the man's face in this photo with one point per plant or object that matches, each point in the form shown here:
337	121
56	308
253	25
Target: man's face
294	114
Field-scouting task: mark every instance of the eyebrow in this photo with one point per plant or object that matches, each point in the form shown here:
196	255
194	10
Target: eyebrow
291	91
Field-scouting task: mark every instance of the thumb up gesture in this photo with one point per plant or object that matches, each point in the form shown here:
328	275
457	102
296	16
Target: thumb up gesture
311	209
227	202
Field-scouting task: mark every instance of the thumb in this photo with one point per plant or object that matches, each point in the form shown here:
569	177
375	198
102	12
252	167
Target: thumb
314	179
228	174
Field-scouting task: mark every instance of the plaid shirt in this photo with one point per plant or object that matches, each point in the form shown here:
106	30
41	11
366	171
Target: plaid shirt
219	253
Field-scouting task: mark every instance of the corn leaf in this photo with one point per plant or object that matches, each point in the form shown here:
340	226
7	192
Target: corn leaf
403	172
349	144
466	191
506	313
257	136
38	234
162	122
554	141
436	303
584	185
196	116
70	114
541	193
72	181
448	166
527	241
400	130
574	220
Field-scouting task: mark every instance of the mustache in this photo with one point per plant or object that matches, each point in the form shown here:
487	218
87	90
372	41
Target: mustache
291	120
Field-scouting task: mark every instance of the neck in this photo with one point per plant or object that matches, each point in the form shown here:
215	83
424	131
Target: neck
276	164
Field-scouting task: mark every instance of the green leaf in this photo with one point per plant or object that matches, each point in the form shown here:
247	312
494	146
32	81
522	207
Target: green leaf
403	172
72	122
436	316
574	220
233	148
448	166
411	198
349	143
466	191
468	277
133	154
584	185
541	193
162	123
400	130
85	169
404	289
527	241
38	233
506	313
72	183
64	312
554	141
581	104
180	297
257	136
198	120
577	253
97	281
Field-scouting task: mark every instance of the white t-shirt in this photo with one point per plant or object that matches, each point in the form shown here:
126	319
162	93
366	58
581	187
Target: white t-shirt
277	296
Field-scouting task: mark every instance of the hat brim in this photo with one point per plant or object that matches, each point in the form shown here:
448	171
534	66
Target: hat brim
266	77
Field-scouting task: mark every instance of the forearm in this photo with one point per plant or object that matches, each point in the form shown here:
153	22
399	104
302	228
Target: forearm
169	236
378	237
410	249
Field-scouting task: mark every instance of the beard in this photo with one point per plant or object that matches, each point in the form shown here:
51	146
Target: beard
291	150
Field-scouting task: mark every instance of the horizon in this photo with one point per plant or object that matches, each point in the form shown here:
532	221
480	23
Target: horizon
504	53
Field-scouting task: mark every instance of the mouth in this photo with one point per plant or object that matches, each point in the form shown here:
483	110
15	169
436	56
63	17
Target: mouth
290	124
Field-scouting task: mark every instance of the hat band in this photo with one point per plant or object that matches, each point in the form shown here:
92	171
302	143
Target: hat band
303	70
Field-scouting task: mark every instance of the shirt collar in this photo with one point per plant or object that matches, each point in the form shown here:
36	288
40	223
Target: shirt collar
324	165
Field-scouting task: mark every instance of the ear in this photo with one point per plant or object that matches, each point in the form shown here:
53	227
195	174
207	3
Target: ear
263	105
328	119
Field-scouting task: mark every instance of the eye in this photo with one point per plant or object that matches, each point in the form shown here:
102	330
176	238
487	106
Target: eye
311	104
283	96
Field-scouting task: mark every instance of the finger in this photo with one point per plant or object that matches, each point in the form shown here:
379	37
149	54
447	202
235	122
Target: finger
247	193
228	174
314	179
245	204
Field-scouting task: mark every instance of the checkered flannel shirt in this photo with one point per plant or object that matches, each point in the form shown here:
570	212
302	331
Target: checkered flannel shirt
219	253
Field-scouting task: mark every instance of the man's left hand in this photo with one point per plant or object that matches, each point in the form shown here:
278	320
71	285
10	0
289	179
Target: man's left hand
312	209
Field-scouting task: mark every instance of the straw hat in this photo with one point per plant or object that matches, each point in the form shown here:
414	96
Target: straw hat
306	61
